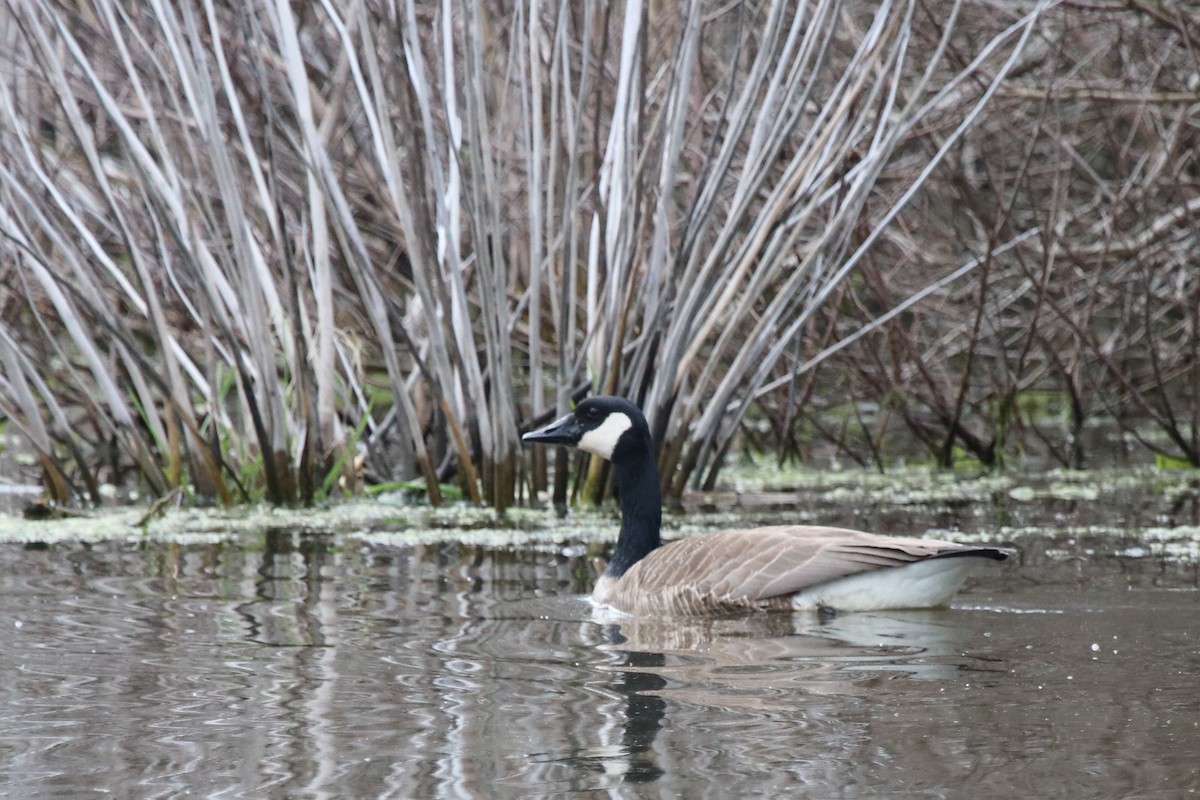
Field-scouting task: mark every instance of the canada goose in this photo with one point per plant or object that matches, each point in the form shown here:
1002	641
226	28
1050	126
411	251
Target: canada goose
777	567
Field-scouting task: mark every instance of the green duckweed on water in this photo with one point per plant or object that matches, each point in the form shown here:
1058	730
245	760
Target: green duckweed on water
1141	511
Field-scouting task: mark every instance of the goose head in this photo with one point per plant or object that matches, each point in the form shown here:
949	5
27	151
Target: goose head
609	427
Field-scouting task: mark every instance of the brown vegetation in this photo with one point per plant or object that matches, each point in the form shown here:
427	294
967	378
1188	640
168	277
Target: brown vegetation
245	242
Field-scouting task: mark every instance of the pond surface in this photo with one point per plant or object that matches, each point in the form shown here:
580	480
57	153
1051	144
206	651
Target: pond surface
310	665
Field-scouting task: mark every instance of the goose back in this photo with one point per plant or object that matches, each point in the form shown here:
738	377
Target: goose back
768	568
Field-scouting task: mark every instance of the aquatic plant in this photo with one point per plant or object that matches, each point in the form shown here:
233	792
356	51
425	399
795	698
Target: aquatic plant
266	250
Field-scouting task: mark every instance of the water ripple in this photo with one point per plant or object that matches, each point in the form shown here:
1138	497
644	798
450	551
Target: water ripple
377	671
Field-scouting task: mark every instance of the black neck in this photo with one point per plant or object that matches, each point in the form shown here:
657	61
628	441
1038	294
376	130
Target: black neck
641	512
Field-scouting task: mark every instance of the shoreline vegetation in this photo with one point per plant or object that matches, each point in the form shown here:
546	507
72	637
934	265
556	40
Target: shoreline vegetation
276	252
1060	515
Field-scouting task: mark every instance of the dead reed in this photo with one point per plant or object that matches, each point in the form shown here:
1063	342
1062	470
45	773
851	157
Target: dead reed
265	249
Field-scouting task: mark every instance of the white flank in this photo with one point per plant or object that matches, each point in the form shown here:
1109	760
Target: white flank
602	441
923	584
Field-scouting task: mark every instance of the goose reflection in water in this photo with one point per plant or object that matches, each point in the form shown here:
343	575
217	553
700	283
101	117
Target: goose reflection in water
758	663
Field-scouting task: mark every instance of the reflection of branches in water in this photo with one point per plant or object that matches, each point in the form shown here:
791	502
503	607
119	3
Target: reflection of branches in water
290	560
142	665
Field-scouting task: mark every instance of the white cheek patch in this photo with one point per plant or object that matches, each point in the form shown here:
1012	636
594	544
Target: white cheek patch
602	441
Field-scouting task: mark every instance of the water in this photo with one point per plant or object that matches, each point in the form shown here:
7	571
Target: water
317	666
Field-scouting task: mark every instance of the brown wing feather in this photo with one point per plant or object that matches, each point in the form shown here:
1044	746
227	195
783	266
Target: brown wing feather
762	567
